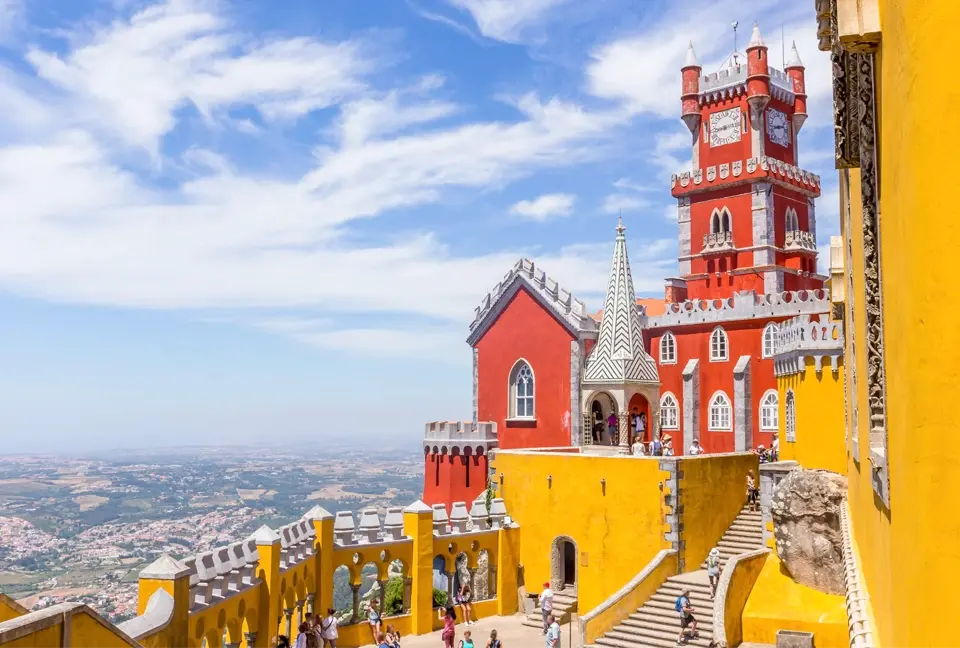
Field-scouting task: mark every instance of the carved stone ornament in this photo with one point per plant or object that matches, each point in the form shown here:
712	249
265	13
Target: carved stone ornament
737	168
724	171
685	179
698	176
751	165
711	173
764	162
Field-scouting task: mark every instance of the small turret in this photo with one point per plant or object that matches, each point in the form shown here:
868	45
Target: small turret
795	70
758	73
690	98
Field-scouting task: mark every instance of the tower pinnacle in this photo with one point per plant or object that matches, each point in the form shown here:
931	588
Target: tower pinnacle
755	39
691	57
794	60
620	228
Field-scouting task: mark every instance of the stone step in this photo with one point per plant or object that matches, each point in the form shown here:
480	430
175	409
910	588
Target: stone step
702	605
655	622
737	545
662	633
679	587
743	533
653	642
661	606
697	598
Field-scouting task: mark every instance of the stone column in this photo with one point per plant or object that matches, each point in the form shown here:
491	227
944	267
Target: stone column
587	429
250	638
300	612
310	598
356	603
450	575
492	582
288	613
623	422
407	587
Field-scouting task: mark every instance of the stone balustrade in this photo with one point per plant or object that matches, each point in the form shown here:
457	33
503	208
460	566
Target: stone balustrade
744	305
217	596
803	337
799	240
718	242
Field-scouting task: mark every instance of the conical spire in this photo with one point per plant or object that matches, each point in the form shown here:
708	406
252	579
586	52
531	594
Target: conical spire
691	57
619	355
755	39
794	60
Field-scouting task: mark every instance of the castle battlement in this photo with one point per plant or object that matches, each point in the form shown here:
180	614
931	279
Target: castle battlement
465	437
803	337
732	82
745	305
751	169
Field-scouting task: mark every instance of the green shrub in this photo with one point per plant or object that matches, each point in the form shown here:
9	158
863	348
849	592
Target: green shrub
439	598
393	603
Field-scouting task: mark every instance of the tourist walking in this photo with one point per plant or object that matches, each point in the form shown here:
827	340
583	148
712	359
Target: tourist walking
546	605
695	448
667	446
393	637
713	570
328	630
493	642
753	493
449	627
612	429
467	641
639	450
463	599
688	623
775	448
656	448
553	633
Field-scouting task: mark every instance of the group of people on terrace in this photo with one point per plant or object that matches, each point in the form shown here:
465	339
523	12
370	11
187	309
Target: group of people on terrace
316	632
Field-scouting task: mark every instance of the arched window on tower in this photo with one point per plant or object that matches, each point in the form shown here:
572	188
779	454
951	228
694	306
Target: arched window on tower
720	221
669	412
668	349
715	222
718	345
769	411
725	220
521	390
791	222
720	413
791	414
770	332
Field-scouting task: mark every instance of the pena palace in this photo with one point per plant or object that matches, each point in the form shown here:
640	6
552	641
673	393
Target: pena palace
697	364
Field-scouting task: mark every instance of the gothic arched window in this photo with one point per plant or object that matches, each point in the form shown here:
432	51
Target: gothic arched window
718	345
791	414
720	412
521	390
769	411
668	349
770	332
669	412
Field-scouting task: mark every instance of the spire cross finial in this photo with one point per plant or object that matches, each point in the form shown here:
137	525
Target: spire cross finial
620	228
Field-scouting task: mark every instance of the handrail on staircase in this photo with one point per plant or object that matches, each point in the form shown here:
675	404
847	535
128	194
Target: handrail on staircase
663	564
723	591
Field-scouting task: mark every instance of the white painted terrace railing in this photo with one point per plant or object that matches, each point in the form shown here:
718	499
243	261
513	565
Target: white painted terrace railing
803	337
861	634
745	305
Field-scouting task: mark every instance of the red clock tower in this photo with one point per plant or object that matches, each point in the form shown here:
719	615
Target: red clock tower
746	211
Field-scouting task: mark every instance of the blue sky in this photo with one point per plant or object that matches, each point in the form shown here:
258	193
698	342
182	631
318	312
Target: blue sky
229	221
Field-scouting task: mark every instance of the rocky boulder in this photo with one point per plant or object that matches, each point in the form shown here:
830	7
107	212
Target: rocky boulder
806	525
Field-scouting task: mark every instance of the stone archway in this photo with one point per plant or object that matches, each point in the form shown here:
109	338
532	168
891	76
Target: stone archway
563	564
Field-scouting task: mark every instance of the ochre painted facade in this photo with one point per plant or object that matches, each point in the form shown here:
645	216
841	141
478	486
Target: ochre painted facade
777	602
819	417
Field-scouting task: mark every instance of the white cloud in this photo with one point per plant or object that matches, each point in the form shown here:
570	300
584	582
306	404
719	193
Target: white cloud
545	207
617	203
505	20
132	77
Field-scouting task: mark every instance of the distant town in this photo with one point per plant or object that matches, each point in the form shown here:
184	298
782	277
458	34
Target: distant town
82	528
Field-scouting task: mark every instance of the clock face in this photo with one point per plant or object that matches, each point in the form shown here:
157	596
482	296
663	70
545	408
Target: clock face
725	127
778	128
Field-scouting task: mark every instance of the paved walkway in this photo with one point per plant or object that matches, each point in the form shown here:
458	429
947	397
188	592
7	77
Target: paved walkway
509	630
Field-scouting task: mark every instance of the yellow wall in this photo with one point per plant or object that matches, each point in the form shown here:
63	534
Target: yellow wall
820	419
713	490
738	592
9	609
617	530
906	553
779	603
45	628
44	638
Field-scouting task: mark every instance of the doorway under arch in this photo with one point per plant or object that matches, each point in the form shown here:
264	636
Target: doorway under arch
563	563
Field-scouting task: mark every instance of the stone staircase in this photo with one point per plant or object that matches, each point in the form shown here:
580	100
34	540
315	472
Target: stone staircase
745	534
564	603
656	623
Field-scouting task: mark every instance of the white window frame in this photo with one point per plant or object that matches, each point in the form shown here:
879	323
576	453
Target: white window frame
771	331
722	352
669	402
723	421
790	414
668	358
771	410
513	398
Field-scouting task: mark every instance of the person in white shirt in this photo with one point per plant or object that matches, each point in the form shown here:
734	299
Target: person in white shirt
639	450
328	629
546	606
553	633
695	448
775	447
